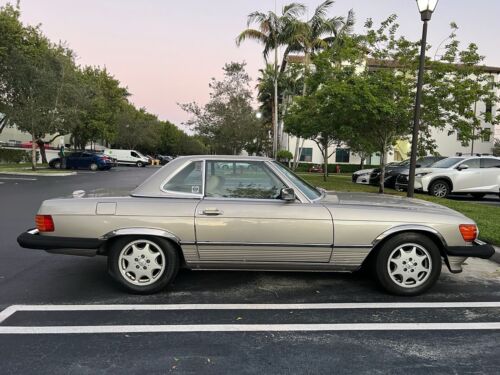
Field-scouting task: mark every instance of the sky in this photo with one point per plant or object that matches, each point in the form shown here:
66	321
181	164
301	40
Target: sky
166	51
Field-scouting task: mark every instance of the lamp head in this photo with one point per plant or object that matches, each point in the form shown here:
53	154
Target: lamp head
426	8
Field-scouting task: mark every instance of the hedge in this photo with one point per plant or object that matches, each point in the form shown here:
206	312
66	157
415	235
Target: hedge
332	168
8	155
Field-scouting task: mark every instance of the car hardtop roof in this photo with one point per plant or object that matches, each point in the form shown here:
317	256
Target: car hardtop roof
225	157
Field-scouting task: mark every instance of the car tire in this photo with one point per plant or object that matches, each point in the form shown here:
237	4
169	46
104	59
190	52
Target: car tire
56	165
440	189
139	164
478	195
94	167
408	264
157	262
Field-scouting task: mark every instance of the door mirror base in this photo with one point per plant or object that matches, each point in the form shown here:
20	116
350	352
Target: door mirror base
287	195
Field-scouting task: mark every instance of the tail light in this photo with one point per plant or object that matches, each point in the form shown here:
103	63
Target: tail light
468	232
44	223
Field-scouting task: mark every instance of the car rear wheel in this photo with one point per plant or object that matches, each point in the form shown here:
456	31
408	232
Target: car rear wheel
143	265
440	189
94	167
408	264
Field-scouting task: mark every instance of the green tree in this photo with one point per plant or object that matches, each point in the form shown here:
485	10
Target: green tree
228	121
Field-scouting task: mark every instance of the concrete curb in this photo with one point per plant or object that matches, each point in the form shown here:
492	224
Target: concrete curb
496	256
39	174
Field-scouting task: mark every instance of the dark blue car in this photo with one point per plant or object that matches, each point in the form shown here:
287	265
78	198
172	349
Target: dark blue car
84	159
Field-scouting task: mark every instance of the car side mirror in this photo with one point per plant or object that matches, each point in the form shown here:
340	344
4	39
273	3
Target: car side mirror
287	194
463	166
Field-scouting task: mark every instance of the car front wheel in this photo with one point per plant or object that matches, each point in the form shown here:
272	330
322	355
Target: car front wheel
143	265
139	164
408	264
440	189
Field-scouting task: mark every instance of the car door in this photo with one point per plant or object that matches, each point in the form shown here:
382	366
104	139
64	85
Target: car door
72	160
242	218
490	174
468	180
85	160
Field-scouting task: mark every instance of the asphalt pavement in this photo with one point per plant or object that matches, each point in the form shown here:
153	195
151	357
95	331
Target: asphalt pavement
61	314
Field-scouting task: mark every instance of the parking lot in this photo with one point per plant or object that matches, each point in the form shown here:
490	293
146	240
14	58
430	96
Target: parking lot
63	314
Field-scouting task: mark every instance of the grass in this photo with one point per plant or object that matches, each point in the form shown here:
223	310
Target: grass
26	168
487	217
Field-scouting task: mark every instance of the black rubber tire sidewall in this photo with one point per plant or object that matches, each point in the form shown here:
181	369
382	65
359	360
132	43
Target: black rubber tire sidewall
139	164
171	257
387	247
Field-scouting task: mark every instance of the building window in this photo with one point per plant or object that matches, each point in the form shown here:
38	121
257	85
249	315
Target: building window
486	135
342	155
306	154
489	108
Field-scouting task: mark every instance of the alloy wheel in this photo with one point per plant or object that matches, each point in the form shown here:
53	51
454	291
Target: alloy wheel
141	262
409	265
440	190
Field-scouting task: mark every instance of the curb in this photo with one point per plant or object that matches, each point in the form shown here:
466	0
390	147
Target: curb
496	257
40	174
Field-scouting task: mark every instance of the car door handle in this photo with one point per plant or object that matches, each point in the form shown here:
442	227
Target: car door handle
211	212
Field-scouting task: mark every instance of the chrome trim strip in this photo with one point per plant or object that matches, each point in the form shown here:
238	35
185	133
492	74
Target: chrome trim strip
33	231
140	232
267	244
409	227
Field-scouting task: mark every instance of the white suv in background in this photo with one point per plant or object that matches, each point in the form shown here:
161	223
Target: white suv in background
475	175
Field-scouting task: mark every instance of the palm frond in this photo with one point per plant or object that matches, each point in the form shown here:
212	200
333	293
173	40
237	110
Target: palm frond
319	17
251	34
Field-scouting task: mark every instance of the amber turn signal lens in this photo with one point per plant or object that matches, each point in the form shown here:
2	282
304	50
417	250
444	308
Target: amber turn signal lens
44	223
468	231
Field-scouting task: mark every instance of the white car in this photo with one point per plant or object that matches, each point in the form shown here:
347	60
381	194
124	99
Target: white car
475	175
130	157
362	176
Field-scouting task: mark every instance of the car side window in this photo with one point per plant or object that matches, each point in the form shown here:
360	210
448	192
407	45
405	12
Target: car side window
133	154
234	179
188	180
471	163
490	163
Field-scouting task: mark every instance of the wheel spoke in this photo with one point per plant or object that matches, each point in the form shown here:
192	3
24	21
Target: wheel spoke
142	262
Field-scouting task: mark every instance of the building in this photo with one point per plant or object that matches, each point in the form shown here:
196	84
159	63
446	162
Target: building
448	142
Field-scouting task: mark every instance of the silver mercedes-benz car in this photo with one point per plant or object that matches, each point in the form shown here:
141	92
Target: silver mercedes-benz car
252	213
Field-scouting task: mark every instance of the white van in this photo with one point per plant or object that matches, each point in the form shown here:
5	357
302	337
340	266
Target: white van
129	157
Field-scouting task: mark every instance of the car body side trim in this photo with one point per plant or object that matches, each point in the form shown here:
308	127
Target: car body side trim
141	232
407	228
267	244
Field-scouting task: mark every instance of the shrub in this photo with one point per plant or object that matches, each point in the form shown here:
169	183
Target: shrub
284	155
332	168
8	155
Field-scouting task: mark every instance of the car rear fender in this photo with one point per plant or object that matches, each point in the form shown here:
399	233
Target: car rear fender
141	232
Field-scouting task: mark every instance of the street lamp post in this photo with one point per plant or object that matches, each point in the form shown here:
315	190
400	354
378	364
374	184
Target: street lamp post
426	8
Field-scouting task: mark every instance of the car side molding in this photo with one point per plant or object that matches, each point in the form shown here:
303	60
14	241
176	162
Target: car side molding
410	228
138	231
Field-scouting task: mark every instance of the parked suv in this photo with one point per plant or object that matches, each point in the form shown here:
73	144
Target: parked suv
392	171
472	175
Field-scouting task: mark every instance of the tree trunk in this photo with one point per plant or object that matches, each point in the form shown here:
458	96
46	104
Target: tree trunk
382	170
33	153
41	146
325	161
362	164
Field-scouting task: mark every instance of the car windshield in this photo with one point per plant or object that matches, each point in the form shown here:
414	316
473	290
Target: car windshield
310	191
446	163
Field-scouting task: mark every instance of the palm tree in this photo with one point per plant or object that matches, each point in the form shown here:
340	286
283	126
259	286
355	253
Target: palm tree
272	31
315	34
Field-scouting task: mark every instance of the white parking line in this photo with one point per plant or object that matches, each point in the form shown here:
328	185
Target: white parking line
249	328
18	178
247	306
